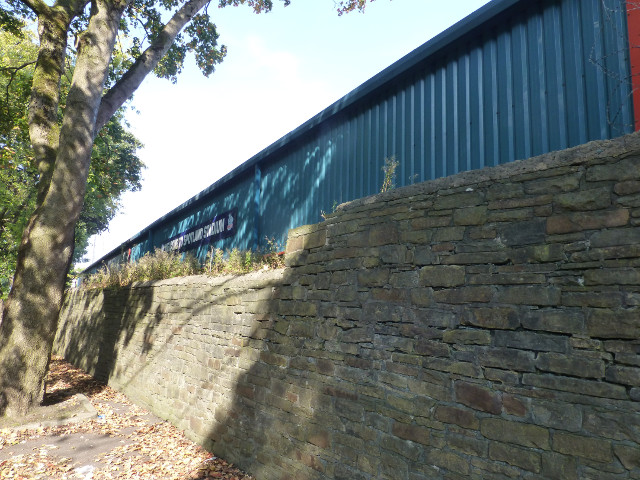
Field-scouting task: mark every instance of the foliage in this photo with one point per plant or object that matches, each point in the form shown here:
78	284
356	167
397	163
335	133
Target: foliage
162	265
389	170
115	166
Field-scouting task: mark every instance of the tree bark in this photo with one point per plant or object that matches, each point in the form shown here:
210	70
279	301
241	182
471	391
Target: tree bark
31	312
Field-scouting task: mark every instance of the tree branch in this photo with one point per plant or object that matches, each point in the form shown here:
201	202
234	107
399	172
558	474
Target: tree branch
37	6
145	63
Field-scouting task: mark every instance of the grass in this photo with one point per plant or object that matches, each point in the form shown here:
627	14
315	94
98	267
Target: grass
161	265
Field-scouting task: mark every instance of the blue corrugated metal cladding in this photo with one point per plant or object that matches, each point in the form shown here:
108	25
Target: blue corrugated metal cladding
515	79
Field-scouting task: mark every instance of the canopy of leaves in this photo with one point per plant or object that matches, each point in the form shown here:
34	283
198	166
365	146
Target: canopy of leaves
115	166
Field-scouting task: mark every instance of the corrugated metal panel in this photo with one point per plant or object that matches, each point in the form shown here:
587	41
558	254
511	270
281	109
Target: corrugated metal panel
517	78
544	76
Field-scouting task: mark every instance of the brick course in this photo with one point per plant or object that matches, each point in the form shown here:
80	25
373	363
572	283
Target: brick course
484	325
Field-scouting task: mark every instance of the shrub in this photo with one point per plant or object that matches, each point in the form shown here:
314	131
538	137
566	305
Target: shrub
161	265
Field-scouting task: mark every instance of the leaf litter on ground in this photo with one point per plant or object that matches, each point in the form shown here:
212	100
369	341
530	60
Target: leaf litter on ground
145	450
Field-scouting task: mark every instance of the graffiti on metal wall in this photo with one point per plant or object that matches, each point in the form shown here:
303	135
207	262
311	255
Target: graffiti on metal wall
222	226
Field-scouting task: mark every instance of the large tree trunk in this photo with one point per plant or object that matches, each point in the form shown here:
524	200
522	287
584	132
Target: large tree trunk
31	312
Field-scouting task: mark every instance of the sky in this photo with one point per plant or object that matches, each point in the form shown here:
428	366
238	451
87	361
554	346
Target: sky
281	69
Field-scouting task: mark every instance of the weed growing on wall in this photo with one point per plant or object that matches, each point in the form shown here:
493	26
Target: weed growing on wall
389	170
161	265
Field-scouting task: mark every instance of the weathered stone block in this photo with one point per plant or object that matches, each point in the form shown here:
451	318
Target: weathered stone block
627	169
611	276
578	222
504	318
518	457
516	433
449	461
614	323
558	184
574	365
615	237
442	276
592	199
557	415
384	234
623	375
559	467
554	320
535	341
470	215
457	416
478	398
595	449
541	295
458	200
508	358
523	233
463	295
629	456
467	337
575	385
411	432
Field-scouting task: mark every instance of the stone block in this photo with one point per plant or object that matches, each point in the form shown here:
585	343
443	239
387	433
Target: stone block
578	222
467	337
412	432
554	320
573	365
575	385
615	237
477	258
623	375
383	234
612	276
591	199
627	169
504	318
448	461
448	234
513	405
508	358
540	342
628	455
515	433
559	467
421	297
556	415
523	233
614	323
458	200
541	295
478	397
469	445
557	184
525	459
463	295
470	215
442	276
591	448
457	416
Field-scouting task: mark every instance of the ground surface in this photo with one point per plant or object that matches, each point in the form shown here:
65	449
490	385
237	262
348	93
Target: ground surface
88	431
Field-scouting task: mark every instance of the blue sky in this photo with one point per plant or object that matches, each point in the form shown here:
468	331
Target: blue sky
281	69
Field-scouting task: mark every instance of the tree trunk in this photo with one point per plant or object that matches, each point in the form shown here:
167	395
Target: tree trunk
31	312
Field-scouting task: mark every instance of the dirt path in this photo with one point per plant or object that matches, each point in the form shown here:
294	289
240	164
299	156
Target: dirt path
103	436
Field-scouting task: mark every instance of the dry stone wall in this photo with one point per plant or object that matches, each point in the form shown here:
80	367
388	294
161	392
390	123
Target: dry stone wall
485	325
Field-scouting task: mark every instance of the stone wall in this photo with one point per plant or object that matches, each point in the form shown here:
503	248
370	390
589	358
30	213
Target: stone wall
485	325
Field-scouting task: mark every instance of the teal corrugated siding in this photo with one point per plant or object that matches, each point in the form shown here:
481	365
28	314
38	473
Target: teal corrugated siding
516	79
